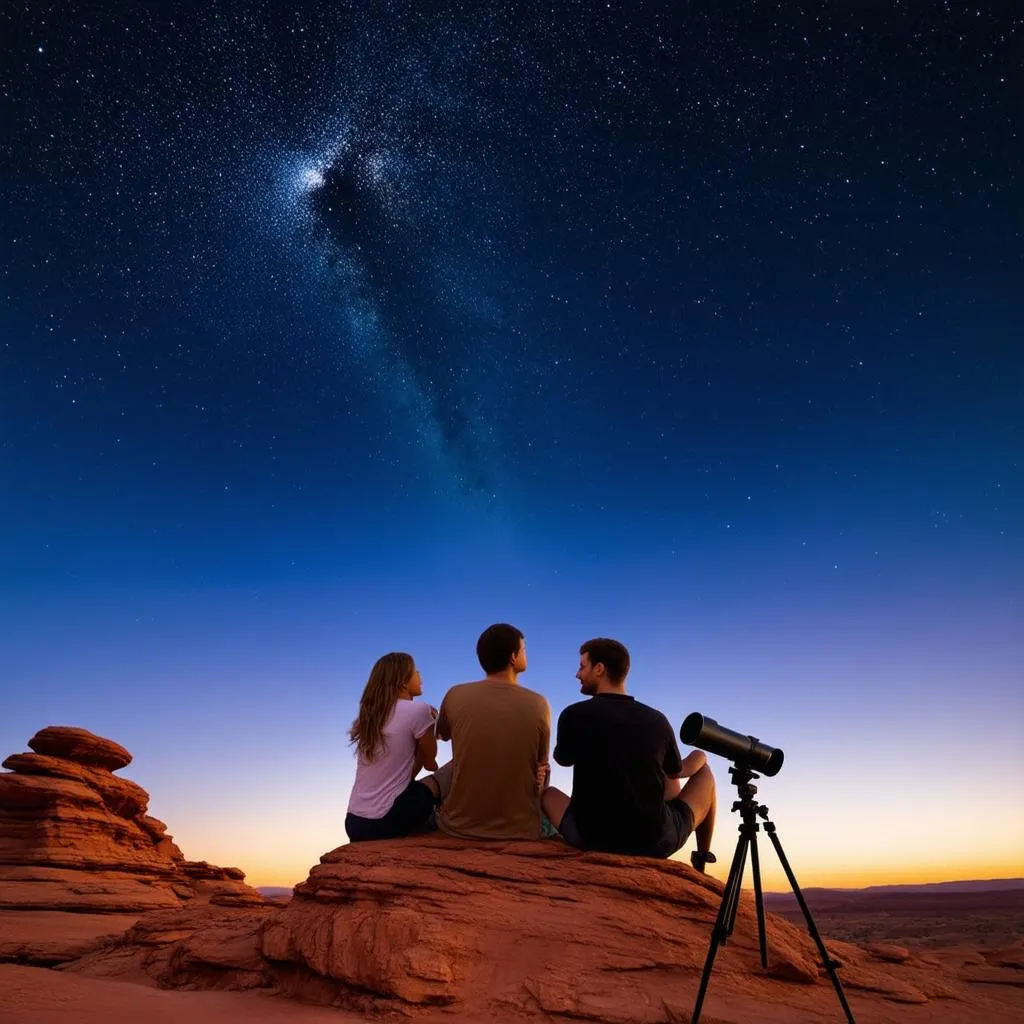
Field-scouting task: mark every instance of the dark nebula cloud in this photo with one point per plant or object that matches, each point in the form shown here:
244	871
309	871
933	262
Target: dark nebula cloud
384	260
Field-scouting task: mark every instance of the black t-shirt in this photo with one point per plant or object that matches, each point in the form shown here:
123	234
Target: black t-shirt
620	751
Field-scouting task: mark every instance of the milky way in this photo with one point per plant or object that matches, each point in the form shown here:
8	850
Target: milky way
382	272
386	216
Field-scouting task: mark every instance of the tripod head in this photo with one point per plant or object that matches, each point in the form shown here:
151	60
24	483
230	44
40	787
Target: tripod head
743	779
742	776
749	808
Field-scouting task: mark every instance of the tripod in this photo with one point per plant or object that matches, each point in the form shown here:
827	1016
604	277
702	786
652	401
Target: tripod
750	810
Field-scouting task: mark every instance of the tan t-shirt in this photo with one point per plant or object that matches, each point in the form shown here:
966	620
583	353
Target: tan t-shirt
499	733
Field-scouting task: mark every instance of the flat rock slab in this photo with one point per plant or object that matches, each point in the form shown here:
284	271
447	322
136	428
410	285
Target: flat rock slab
45	938
30	995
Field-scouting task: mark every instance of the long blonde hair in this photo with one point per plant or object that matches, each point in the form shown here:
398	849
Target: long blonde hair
387	680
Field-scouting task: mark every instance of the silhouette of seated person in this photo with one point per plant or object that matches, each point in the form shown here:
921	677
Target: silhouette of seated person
394	739
627	793
499	731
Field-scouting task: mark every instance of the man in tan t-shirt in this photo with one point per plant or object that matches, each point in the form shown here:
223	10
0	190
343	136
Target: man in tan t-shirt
499	732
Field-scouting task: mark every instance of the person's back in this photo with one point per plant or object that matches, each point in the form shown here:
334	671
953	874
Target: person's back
621	751
499	733
626	794
394	737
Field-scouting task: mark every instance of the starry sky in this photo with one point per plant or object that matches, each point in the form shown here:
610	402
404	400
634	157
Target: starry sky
336	328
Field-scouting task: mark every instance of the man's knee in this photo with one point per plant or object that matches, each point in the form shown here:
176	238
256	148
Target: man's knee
554	803
440	782
704	778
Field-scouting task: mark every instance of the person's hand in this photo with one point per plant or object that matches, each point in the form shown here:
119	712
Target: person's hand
543	774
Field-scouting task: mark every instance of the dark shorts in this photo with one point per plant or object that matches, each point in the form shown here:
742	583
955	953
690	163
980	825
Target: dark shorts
676	828
412	811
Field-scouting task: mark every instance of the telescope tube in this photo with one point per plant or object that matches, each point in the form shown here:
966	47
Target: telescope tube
746	751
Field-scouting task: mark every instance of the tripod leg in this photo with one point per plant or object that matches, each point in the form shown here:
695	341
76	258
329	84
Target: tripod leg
730	907
759	902
724	921
830	964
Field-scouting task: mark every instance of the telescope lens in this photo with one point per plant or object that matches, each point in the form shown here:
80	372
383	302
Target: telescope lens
747	751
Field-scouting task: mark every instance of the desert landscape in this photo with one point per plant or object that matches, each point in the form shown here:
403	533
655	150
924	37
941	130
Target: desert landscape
940	917
102	918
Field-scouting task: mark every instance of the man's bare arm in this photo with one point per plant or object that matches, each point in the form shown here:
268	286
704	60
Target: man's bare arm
442	729
692	763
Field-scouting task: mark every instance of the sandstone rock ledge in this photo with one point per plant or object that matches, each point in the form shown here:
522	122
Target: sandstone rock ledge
75	838
438	929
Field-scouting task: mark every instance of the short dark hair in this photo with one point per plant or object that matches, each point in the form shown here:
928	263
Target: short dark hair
609	653
497	646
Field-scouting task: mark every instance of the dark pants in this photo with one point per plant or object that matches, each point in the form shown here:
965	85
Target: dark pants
676	828
412	811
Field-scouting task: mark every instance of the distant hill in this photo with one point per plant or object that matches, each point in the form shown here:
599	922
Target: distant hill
270	891
930	888
978	885
977	897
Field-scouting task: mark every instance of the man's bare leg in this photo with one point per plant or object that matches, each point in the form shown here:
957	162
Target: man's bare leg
554	803
699	795
706	829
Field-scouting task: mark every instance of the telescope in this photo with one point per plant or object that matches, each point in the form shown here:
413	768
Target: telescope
749	755
746	751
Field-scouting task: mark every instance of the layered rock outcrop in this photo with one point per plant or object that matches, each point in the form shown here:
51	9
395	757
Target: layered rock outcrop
76	837
434	929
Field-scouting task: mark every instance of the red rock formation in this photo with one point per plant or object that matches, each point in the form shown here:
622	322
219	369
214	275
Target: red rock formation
436	929
71	744
45	938
74	836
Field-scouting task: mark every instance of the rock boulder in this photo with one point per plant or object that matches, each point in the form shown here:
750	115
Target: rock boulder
76	837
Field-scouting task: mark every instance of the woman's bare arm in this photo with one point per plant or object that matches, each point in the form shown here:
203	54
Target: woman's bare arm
426	753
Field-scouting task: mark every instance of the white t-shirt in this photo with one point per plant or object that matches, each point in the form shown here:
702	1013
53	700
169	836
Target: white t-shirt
379	782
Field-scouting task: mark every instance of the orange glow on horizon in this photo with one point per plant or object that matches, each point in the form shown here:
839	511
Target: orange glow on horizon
277	841
284	874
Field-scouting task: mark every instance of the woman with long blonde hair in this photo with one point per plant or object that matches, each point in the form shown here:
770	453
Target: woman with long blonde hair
394	739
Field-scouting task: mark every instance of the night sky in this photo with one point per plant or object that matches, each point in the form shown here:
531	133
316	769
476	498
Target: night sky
335	328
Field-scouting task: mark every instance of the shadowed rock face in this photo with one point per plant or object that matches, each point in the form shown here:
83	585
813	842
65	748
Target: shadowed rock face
434	928
76	837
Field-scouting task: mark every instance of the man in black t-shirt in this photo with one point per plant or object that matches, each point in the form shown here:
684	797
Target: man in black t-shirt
626	793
